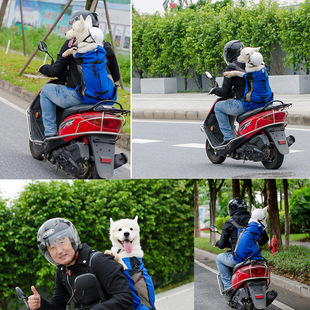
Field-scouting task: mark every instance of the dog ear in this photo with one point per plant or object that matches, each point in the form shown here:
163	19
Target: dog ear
136	218
266	209
253	209
111	221
81	18
257	49
88	20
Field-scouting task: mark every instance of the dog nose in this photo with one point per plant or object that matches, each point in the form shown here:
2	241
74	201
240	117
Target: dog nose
126	234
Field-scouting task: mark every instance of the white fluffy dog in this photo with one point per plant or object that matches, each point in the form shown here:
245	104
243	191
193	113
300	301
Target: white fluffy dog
259	216
81	35
125	238
253	62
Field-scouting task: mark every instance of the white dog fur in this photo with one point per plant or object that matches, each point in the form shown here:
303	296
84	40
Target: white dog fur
244	57
79	35
125	238
259	216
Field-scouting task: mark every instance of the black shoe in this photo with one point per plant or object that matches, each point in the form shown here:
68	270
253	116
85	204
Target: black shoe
224	142
50	136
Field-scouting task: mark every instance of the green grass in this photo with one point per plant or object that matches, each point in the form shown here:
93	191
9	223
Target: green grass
297	237
204	244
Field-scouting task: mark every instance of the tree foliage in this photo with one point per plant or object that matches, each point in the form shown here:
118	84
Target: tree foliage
190	41
166	218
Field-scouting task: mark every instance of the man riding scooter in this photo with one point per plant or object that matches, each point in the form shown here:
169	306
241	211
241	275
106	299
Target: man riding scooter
66	70
232	88
239	218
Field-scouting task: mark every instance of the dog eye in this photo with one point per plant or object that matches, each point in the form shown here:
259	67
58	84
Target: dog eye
119	229
131	228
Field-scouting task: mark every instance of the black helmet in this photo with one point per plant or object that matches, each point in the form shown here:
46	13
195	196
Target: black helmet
76	16
232	51
56	229
235	204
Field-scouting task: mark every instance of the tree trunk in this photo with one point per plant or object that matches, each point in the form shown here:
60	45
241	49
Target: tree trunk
196	207
248	186
2	11
274	220
213	189
236	188
287	219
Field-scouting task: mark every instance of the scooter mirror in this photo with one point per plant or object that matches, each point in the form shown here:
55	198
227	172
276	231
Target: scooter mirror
208	75
42	47
213	229
84	281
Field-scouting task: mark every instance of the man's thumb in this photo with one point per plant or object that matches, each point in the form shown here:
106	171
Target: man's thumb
34	291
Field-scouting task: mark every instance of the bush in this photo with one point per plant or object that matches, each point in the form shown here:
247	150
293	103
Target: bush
294	262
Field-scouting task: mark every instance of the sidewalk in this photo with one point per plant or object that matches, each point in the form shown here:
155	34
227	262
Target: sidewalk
195	106
298	288
180	298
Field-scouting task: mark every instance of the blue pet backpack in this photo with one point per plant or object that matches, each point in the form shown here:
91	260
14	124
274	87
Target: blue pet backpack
141	284
247	242
257	91
96	83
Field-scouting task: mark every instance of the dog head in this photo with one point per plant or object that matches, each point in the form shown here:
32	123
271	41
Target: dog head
259	216
125	236
79	31
250	55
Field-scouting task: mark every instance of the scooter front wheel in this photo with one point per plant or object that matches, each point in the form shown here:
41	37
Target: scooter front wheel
274	158
214	158
34	152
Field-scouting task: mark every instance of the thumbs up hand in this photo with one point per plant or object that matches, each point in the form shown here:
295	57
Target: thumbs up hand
34	301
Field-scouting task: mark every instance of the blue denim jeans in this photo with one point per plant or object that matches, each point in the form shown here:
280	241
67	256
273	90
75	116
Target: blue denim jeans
224	261
50	96
222	109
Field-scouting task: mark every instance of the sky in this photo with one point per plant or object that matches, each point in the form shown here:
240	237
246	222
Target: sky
145	6
11	188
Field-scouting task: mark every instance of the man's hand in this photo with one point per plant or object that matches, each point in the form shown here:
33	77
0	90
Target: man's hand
34	301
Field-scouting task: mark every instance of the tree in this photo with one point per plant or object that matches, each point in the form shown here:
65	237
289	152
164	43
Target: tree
4	4
300	209
287	219
214	188
196	208
294	35
236	188
274	221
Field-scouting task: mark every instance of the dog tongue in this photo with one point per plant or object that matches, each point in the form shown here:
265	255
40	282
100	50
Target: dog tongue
128	246
70	42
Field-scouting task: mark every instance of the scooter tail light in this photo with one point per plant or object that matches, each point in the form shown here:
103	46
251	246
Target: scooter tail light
259	296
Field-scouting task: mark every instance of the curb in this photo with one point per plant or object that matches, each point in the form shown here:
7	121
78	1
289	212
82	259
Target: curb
298	288
295	119
124	142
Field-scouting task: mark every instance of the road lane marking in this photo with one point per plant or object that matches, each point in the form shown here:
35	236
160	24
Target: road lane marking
192	145
12	105
142	141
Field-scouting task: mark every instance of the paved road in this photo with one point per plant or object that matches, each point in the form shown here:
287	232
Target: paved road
176	149
180	298
16	161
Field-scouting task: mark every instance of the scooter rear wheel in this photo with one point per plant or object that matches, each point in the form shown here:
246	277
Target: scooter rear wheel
34	152
214	158
274	158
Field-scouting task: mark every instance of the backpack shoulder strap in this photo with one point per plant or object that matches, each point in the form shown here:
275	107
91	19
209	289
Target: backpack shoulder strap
98	285
238	226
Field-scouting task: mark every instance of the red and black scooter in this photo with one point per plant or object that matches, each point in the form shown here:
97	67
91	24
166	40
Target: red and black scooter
260	135
85	144
250	282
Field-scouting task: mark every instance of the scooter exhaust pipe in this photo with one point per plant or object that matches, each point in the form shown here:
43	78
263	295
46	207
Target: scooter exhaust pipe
290	140
270	297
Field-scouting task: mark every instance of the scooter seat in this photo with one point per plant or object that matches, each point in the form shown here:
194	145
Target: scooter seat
77	109
249	113
242	264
